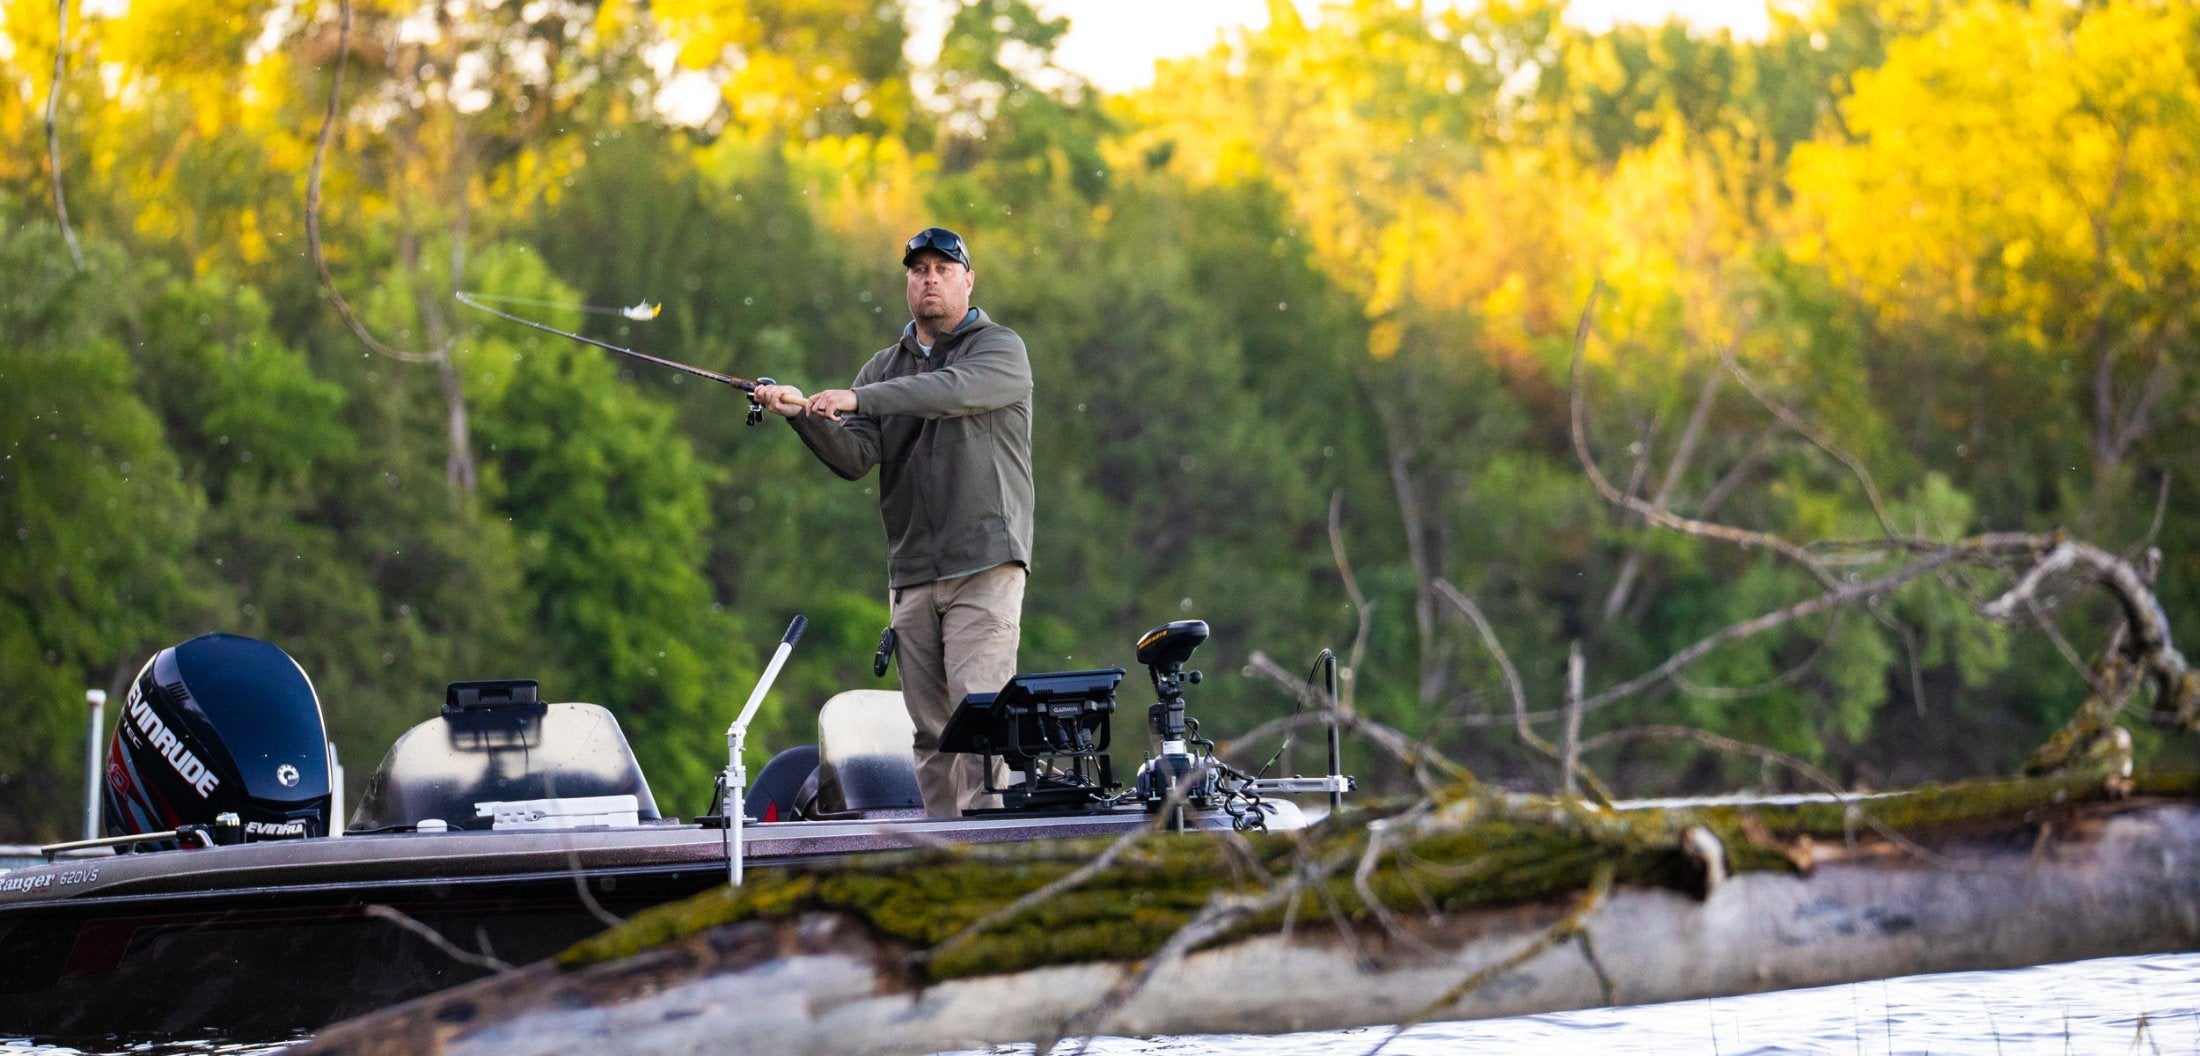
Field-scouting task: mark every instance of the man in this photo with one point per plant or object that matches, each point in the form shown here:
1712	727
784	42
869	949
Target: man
945	413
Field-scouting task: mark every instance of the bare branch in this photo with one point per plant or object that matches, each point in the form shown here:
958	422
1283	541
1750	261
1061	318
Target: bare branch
1723	743
313	204
53	137
435	938
1067	882
2069	652
1363	883
1825	782
1845	594
1570	751
1683	454
2161	507
1427	560
1735	476
1780	681
1910	653
1570	927
1361	607
1661	518
1794	421
1415	755
1513	687
1473	612
2177	685
1224	911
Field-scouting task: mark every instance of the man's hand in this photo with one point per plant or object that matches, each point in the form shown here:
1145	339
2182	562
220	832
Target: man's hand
832	403
785	401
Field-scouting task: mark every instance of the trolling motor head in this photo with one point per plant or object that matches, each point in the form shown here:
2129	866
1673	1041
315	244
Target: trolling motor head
1163	651
1165	648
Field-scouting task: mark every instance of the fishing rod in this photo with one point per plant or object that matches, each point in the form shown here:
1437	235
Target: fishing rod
643	311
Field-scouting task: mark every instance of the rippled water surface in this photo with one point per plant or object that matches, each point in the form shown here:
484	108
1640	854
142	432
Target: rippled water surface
2138	1005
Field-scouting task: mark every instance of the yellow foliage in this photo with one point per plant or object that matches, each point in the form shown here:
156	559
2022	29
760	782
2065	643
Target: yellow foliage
870	188
2013	148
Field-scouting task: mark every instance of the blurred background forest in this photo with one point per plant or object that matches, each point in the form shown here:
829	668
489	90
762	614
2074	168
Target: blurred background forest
1339	258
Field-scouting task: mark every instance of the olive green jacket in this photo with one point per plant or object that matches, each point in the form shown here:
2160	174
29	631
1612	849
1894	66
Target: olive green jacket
951	435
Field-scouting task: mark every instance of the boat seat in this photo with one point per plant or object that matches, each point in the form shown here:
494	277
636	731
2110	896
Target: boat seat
866	766
774	795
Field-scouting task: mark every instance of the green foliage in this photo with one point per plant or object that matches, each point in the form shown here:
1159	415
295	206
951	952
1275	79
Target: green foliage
996	122
610	509
97	518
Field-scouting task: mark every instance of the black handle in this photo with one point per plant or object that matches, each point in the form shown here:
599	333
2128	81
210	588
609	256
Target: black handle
887	640
795	629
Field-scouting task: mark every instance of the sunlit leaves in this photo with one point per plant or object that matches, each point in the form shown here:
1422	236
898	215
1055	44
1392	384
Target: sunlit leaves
1006	113
806	67
2029	172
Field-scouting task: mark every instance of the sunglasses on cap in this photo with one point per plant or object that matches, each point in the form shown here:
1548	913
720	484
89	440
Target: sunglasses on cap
939	240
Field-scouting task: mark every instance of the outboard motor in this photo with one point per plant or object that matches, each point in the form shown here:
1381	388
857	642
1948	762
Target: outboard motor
221	724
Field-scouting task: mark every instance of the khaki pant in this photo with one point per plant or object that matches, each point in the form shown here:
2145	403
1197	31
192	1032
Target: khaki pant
957	637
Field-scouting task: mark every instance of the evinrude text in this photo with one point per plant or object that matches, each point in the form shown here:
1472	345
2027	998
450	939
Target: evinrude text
171	747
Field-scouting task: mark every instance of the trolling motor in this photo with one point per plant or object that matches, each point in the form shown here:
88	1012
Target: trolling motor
1171	775
1186	775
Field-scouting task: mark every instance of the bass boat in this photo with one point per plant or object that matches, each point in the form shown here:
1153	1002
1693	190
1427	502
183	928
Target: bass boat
503	829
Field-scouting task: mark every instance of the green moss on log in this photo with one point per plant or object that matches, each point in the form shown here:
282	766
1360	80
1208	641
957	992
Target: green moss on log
1488	851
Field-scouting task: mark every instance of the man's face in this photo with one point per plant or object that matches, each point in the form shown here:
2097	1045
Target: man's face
939	289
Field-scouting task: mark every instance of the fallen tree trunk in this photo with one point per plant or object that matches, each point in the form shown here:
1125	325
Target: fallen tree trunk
1479	909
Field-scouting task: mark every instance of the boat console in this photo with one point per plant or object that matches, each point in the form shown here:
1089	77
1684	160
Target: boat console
499	757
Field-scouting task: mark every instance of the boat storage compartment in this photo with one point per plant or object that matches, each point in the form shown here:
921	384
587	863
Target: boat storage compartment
497	746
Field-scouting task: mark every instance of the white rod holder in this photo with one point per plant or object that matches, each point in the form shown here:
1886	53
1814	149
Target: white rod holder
736	777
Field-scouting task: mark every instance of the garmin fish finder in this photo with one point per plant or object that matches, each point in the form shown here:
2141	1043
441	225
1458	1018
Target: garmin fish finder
1051	728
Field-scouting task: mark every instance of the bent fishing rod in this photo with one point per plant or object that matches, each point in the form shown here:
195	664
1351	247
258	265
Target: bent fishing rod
641	312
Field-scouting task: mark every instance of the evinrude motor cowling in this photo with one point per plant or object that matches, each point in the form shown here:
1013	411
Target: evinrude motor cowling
221	724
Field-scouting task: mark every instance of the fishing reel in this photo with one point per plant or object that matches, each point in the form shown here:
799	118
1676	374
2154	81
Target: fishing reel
1174	774
756	409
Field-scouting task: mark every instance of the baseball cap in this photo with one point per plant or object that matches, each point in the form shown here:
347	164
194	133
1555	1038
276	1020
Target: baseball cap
937	239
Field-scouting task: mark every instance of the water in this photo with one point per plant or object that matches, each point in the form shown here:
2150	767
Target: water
2135	1005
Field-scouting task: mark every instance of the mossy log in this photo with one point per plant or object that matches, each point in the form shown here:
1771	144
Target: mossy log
1486	905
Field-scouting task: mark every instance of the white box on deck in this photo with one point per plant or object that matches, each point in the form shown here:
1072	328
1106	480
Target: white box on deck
564	813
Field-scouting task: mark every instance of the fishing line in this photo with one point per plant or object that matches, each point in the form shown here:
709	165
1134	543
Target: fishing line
642	312
744	384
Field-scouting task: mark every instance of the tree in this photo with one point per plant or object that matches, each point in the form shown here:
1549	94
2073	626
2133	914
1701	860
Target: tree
97	515
2039	160
610	509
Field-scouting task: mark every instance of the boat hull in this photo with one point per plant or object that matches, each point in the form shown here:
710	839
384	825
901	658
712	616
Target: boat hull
271	940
